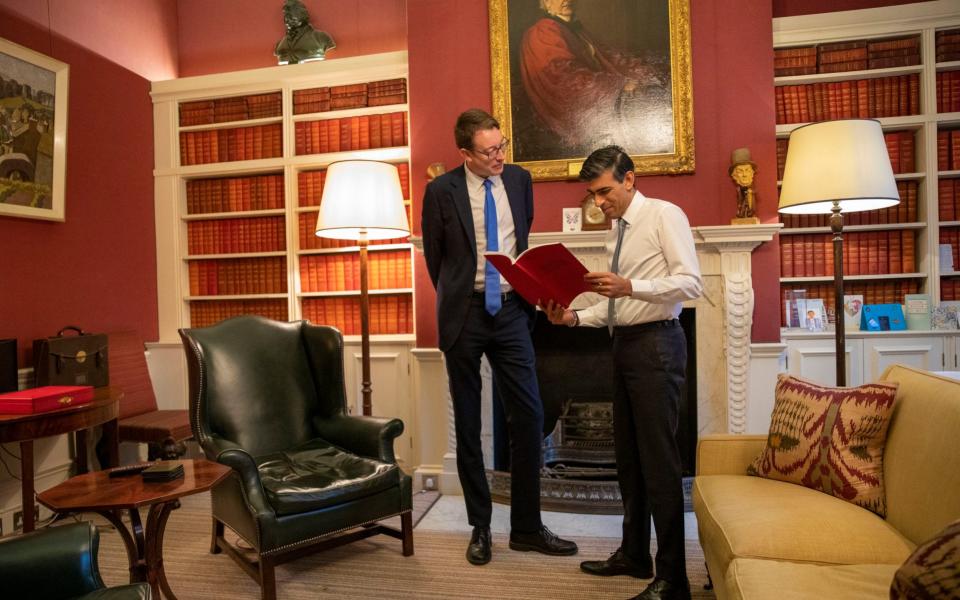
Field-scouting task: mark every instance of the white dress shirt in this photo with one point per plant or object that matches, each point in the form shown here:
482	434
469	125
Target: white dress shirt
506	234
659	258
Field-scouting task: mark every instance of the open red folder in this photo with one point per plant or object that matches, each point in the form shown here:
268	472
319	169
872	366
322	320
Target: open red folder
543	273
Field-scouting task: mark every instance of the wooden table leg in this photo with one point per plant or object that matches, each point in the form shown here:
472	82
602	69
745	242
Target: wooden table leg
26	485
134	556
156	524
111	437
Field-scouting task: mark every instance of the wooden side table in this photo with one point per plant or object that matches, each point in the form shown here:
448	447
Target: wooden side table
103	410
98	492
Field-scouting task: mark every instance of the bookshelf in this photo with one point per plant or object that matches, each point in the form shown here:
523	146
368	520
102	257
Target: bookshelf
240	166
900	65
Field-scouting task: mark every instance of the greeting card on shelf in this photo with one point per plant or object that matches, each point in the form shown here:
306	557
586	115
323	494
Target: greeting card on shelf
918	311
571	219
882	317
815	315
794	305
852	307
946	315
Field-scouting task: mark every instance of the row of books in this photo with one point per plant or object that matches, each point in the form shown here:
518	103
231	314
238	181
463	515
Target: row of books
948	199
351	133
865	253
389	314
853	55
949	289
905	212
947	45
204	313
310	185
232	194
225	145
873	292
948	91
881	97
356	95
901	146
951	236
236	108
389	269
309	240
229	236
238	276
948	149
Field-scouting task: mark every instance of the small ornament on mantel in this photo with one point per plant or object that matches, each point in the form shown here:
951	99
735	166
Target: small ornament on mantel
742	171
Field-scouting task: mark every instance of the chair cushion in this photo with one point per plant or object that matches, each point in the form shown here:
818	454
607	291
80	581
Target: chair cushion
751	579
750	517
933	570
156	426
829	439
318	474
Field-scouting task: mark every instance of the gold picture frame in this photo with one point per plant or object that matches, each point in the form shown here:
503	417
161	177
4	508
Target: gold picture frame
33	133
552	126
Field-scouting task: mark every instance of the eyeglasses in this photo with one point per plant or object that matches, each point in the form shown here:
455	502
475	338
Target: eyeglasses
491	153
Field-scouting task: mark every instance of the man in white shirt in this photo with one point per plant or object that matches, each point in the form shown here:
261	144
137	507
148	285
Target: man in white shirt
653	270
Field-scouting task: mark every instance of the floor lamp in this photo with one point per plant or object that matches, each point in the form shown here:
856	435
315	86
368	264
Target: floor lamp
362	201
836	167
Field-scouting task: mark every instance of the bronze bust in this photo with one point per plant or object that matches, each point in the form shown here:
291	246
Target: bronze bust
302	42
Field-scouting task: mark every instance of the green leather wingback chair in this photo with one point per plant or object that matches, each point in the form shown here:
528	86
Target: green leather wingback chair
268	399
58	563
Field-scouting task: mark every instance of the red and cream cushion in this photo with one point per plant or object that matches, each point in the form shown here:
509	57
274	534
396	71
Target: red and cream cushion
829	439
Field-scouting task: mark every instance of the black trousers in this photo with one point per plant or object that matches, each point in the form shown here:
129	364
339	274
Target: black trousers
650	370
505	339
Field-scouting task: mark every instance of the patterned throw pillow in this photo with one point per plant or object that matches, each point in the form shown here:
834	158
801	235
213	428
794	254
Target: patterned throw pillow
829	439
933	570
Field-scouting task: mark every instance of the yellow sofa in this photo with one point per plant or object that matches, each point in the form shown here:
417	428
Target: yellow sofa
769	539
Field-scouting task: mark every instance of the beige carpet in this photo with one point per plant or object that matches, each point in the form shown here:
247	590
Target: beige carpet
375	568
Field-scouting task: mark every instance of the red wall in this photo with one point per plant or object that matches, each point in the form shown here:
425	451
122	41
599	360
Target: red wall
792	8
98	269
733	107
217	36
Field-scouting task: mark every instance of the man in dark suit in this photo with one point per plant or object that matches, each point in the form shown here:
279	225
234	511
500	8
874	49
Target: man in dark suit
486	205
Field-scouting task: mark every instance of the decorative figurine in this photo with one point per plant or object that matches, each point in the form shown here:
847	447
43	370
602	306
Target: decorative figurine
742	171
302	43
435	170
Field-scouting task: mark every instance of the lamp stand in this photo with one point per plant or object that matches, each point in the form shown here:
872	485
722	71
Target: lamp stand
839	328
365	327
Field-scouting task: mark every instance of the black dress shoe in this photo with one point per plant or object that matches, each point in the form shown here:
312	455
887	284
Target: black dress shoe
543	541
478	552
661	589
618	564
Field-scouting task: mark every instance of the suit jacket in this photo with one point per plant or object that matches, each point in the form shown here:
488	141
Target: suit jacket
449	241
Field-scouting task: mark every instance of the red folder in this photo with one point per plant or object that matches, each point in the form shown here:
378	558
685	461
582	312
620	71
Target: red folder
43	399
543	273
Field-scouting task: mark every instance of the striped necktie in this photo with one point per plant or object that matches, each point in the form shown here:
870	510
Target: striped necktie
614	268
491	277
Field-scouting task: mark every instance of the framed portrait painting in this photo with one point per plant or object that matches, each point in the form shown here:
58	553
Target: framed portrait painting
571	76
33	133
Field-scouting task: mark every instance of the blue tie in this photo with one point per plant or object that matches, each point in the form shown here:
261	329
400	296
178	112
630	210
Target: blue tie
491	277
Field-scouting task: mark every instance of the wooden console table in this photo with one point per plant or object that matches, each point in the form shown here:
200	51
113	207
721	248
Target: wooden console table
98	492
103	410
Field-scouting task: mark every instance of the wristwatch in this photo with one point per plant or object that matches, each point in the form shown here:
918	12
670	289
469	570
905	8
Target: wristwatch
576	319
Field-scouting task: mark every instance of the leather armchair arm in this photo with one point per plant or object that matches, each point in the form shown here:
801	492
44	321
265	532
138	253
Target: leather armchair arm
60	562
230	454
364	436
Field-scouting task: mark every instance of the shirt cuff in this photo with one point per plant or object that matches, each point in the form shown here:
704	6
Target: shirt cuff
641	287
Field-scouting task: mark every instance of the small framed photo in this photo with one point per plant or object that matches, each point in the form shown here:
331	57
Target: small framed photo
571	219
852	309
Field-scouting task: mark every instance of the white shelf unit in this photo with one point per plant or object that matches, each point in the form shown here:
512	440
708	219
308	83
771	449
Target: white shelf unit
923	20
174	255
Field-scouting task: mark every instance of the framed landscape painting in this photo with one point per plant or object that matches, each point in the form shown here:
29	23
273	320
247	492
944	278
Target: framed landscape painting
571	76
33	133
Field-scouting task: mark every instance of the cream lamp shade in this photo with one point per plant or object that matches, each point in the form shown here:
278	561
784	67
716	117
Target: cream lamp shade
844	161
362	199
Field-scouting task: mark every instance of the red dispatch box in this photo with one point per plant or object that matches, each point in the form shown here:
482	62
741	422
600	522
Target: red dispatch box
44	399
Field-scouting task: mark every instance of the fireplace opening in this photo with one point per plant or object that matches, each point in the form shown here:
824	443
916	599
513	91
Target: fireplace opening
575	372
